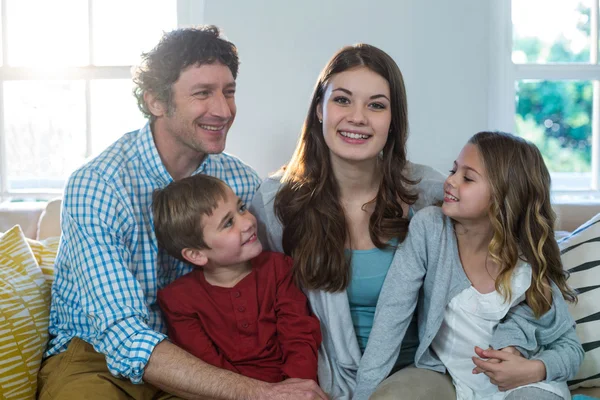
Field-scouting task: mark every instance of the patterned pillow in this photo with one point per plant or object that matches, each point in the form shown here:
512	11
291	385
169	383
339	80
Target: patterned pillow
44	252
581	257
24	309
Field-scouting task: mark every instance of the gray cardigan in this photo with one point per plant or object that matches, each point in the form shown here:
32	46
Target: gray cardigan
427	268
339	355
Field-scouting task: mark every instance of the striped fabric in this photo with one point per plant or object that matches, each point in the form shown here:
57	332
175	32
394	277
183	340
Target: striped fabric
44	252
581	257
24	306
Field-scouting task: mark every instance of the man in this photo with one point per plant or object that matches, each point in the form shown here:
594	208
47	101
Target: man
106	330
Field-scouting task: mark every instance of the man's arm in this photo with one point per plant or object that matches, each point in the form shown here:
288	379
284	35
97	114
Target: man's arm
178	372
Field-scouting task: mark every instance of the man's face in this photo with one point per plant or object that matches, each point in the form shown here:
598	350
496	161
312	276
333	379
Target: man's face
203	109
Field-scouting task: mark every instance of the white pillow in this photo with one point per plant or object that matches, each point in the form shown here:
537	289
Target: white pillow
580	253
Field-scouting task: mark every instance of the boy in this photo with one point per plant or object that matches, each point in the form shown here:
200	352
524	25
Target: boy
240	309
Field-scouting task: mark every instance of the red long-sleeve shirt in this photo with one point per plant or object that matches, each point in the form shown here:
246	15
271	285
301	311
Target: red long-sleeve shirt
261	328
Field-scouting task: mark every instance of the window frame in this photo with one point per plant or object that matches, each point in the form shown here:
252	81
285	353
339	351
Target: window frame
504	74
189	13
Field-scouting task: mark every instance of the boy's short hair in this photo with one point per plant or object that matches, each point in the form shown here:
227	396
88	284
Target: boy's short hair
178	209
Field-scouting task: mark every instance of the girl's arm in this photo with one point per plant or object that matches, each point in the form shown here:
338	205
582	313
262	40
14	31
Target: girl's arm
395	308
550	342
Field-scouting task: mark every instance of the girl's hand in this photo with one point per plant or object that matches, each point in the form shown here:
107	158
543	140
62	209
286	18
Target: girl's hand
479	351
507	369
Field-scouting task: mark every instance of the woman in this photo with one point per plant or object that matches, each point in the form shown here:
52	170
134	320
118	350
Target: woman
341	206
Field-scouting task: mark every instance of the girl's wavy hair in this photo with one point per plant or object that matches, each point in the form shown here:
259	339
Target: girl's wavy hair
161	67
315	229
522	217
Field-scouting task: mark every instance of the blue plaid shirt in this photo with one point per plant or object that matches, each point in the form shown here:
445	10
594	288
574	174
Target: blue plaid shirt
108	268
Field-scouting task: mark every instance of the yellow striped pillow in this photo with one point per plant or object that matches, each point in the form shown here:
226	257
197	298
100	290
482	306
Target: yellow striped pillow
44	252
24	309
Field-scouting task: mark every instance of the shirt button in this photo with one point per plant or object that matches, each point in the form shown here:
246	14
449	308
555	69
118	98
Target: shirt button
241	308
237	294
245	325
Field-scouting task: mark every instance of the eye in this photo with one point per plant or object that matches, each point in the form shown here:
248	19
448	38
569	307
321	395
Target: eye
202	93
452	171
378	106
230	93
468	179
341	100
229	223
243	208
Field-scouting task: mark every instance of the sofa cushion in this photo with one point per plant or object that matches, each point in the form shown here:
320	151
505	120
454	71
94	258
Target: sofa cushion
581	257
24	309
44	252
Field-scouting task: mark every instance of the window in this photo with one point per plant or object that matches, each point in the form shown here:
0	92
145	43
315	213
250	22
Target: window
65	82
547	87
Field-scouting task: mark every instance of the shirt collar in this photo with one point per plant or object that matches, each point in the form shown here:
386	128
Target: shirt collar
151	159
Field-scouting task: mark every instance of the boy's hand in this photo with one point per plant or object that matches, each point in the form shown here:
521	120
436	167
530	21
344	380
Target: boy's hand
294	388
507	368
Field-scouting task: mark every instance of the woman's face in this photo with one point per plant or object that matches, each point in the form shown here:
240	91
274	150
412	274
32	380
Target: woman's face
356	115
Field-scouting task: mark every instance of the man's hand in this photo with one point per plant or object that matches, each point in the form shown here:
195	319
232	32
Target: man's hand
292	389
507	369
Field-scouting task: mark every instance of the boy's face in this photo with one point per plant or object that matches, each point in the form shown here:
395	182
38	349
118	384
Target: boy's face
230	232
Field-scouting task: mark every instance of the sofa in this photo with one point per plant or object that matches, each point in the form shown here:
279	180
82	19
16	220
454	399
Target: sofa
30	241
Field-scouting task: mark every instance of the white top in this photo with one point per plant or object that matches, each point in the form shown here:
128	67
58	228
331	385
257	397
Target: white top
470	320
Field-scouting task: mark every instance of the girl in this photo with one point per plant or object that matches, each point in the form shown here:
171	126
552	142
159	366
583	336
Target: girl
488	272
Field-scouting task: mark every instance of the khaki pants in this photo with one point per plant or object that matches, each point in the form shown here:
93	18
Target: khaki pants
81	373
412	383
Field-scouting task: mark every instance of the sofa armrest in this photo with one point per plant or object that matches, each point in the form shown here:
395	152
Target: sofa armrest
49	222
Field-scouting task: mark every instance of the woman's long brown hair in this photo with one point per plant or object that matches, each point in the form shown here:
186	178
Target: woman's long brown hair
522	217
315	229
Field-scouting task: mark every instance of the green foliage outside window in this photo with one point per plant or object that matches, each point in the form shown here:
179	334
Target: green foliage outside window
556	115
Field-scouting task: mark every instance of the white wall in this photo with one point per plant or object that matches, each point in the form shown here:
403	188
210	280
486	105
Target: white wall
441	47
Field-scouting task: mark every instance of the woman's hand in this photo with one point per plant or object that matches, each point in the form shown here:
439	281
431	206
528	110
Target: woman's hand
507	369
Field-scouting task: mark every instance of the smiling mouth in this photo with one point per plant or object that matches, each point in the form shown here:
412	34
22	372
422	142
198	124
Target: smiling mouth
212	127
353	135
251	239
450	197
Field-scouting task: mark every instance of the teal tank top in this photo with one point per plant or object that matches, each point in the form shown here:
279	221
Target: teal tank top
369	268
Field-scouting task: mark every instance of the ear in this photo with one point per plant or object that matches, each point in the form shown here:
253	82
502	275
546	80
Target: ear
319	111
194	256
155	106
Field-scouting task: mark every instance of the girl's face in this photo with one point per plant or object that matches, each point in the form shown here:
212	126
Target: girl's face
356	114
467	192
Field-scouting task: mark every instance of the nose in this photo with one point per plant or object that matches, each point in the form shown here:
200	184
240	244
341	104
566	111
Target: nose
220	106
248	222
450	181
357	116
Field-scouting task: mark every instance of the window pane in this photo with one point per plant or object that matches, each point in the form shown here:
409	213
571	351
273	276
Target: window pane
556	116
45	132
551	31
45	33
121	36
114	111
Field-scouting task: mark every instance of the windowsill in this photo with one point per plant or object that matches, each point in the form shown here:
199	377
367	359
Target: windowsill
576	197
